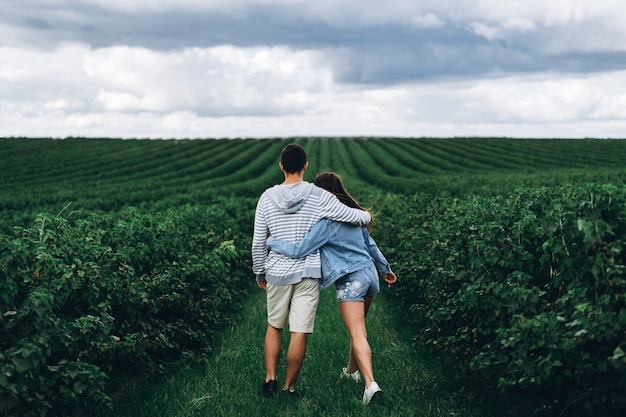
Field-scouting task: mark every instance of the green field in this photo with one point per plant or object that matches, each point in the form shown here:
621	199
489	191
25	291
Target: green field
107	175
510	254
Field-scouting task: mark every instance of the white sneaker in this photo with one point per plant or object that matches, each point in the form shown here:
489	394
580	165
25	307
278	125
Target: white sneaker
355	376
371	392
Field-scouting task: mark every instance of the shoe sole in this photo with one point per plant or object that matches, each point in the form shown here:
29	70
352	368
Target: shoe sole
375	398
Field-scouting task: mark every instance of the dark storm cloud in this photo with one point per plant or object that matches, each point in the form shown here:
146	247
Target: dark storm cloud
366	53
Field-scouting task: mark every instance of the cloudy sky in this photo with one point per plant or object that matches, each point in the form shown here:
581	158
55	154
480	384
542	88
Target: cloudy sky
282	68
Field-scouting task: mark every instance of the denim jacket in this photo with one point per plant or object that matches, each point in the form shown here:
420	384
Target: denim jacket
344	248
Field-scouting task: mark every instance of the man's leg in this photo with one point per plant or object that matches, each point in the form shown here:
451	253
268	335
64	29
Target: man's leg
304	301
278	299
295	357
271	348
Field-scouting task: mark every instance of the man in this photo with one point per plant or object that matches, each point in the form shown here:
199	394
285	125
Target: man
287	211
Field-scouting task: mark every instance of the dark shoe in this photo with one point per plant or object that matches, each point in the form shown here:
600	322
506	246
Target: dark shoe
269	388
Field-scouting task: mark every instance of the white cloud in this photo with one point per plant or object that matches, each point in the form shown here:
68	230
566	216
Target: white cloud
62	105
92	88
426	21
488	32
12	73
542	99
518	24
222	80
19	63
541	105
118	101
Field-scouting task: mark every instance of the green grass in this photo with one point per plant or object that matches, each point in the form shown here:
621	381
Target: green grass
227	383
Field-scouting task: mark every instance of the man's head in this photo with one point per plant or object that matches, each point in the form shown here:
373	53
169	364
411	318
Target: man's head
293	158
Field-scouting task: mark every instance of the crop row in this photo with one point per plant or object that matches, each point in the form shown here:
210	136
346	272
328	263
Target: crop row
32	162
525	292
85	298
109	174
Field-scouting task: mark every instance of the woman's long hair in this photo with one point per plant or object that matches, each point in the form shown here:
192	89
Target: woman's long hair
332	182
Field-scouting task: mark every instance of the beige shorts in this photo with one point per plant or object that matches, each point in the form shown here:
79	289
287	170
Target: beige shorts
296	304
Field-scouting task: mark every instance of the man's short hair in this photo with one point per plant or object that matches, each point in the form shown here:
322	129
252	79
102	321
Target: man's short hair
293	158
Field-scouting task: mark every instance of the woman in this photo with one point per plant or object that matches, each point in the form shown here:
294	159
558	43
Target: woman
350	258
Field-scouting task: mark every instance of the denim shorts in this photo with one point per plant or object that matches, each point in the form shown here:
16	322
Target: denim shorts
357	285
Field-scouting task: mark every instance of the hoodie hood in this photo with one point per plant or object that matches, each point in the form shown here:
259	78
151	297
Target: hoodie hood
288	198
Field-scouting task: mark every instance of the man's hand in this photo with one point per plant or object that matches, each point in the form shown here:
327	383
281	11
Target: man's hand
262	285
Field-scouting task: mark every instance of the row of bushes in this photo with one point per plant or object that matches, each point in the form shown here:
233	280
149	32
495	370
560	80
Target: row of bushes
84	296
525	291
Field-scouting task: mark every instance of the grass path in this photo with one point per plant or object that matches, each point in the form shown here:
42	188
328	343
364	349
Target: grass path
227	383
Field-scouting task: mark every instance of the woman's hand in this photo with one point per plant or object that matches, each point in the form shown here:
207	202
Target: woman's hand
390	278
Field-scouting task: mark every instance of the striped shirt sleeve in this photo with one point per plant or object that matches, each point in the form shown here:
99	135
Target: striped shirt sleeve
259	247
333	209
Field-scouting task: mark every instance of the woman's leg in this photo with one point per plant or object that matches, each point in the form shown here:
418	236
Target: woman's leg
353	314
368	303
352	362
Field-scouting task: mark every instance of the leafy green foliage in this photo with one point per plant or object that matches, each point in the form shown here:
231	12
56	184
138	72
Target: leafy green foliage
526	290
107	292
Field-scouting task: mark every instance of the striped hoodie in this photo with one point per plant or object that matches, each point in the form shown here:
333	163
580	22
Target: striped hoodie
288	211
